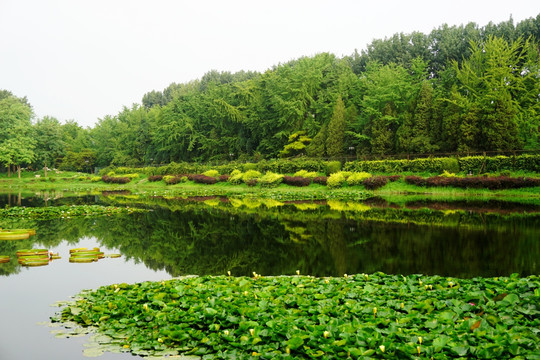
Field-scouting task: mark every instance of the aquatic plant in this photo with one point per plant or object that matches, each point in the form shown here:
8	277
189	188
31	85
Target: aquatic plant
65	211
353	316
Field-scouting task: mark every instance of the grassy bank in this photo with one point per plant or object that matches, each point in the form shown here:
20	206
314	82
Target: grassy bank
139	184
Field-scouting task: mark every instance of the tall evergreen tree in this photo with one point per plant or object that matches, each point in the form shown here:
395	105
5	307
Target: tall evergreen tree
317	147
336	130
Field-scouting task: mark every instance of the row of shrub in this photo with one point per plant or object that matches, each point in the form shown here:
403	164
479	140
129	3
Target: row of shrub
271	179
469	164
281	166
476	182
359	178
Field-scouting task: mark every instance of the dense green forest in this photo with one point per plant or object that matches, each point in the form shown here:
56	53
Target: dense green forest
458	88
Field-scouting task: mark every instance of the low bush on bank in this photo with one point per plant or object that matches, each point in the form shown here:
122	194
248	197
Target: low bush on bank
305	174
154	178
270	179
356	178
296	180
375	182
321	180
115	179
336	180
474	182
211	173
174	179
236	177
203	179
250	175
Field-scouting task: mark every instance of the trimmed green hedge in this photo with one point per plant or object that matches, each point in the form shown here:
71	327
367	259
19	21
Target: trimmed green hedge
437	165
474	164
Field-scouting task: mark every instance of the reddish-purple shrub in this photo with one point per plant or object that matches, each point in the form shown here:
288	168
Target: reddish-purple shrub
375	182
155	178
415	180
320	180
251	182
224	178
474	182
296	180
203	179
115	180
393	178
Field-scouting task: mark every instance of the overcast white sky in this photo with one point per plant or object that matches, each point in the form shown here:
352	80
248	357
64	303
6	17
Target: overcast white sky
83	60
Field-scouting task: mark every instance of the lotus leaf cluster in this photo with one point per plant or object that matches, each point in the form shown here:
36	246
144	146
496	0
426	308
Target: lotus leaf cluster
16	234
65	211
35	257
302	317
85	255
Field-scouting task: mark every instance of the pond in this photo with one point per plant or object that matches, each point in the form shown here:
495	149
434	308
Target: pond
214	235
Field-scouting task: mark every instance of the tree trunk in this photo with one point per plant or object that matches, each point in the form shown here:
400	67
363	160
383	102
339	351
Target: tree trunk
9	170
45	169
19	170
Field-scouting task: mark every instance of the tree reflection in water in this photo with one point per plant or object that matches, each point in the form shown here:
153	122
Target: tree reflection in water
214	236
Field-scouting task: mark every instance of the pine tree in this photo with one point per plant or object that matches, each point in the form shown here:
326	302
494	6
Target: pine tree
381	133
317	147
336	130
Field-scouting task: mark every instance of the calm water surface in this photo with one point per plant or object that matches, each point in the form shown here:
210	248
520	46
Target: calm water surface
214	235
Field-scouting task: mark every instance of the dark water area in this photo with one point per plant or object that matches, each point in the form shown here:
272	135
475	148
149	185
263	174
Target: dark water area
214	235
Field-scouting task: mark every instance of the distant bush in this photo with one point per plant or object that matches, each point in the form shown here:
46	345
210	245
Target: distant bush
211	173
270	179
154	178
249	166
356	178
236	177
296	180
474	164
375	182
321	180
475	182
251	182
92	179
115	179
203	179
223	178
174	179
447	174
332	167
306	174
336	180
250	174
